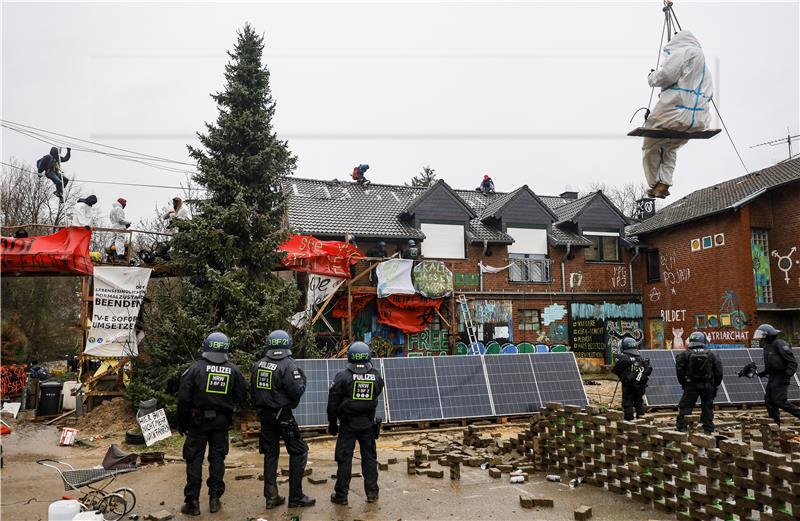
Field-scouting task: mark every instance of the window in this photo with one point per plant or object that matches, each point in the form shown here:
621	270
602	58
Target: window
759	246
528	268
528	240
530	320
604	248
443	241
653	266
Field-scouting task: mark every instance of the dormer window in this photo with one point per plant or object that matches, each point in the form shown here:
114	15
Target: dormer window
605	246
443	241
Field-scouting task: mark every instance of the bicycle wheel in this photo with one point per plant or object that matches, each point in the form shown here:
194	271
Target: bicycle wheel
112	506
129	496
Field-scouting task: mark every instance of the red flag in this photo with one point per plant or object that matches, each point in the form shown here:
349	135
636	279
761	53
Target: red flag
409	313
66	251
333	258
360	301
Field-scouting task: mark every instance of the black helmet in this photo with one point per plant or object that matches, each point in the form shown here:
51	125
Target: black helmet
411	242
358	357
627	344
764	331
216	347
279	344
696	339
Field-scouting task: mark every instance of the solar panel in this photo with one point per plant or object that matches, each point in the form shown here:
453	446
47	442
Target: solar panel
558	378
512	384
411	390
663	387
335	365
794	389
462	386
739	390
312	410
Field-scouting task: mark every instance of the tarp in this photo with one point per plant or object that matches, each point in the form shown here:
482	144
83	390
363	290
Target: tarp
410	314
320	287
305	253
118	294
394	277
360	301
64	252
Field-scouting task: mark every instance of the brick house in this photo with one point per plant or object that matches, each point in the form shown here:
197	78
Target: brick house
724	259
563	268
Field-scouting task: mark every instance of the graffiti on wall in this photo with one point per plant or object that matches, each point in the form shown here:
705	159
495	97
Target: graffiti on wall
428	343
729	324
677	338
575	279
598	328
673	275
12	380
784	262
673	315
619	277
467	279
490	311
654	295
620	328
761	272
657	334
553	313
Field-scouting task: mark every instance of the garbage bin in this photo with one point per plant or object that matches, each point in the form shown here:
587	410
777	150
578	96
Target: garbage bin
49	399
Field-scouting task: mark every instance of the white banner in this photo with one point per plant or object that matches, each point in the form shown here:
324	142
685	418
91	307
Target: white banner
320	287
394	277
118	294
155	427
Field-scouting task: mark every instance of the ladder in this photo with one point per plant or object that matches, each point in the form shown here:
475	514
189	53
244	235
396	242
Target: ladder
473	338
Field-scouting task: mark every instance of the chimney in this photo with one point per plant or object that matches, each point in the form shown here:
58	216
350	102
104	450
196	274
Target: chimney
568	195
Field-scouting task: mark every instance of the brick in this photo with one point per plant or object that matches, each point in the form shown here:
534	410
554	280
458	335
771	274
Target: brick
495	472
240	477
734	448
582	513
317	481
161	515
383	466
543	502
455	471
703	440
435	473
392	461
526	501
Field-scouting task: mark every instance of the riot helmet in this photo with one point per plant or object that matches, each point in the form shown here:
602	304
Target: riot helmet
696	339
627	344
764	331
216	348
279	344
358	357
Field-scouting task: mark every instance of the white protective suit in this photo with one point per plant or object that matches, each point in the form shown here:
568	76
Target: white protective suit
683	104
82	215
172	215
117	218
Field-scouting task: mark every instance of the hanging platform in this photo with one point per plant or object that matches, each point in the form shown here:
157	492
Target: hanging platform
666	133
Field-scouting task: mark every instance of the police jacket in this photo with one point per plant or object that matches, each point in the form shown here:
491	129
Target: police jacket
353	397
276	381
682	370
207	386
630	368
779	359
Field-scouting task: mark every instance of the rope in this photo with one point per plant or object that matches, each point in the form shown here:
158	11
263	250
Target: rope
729	136
658	62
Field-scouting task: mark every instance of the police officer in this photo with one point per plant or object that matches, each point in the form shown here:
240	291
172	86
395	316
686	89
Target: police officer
352	400
277	385
779	365
208	392
633	372
699	372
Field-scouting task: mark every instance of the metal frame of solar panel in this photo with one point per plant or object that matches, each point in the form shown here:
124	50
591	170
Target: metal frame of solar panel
738	390
663	388
512	384
558	378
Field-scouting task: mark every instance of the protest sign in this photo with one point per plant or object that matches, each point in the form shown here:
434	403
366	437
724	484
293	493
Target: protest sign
432	279
118	294
305	253
320	287
394	277
155	427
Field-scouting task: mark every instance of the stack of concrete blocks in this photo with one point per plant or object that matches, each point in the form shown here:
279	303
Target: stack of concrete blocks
694	475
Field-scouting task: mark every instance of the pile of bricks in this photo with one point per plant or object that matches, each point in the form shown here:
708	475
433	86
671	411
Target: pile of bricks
696	476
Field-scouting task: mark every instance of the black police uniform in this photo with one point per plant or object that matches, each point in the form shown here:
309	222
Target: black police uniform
780	365
277	385
206	399
705	388
352	400
633	373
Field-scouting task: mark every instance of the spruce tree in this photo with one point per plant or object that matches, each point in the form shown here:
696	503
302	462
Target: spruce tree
425	178
228	250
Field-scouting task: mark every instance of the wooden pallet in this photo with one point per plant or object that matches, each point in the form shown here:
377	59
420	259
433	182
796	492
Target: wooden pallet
665	133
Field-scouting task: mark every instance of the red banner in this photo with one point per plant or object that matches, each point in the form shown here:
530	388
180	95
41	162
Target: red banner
12	380
64	252
333	258
409	313
360	301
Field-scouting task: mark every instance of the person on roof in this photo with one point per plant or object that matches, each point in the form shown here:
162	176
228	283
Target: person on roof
486	186
358	175
50	167
683	104
178	211
117	218
83	213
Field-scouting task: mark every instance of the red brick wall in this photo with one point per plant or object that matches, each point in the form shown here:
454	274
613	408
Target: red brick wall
697	283
784	208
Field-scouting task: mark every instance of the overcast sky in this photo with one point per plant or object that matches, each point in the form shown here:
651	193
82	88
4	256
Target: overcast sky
532	93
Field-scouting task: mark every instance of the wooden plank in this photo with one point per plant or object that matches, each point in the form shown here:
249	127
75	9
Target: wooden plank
61	417
665	133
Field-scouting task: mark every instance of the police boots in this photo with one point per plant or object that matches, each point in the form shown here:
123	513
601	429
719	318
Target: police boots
276	501
304	501
214	504
191	507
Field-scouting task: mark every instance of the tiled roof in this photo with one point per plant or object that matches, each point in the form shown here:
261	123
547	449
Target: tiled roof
568	210
720	197
332	208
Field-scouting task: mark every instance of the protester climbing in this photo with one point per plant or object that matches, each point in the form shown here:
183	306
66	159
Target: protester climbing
358	175
486	186
50	167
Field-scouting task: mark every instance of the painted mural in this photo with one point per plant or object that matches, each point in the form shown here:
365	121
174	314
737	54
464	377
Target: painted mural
657	334
489	317
428	343
761	271
728	325
598	328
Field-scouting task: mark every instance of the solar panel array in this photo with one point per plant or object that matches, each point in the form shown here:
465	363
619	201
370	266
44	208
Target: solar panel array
663	388
449	387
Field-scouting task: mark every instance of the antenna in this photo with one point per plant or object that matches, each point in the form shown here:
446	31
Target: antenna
775	142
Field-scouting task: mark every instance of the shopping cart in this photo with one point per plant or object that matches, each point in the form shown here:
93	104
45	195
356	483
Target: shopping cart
112	505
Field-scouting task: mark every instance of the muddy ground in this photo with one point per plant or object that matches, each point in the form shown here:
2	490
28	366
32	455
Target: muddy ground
28	488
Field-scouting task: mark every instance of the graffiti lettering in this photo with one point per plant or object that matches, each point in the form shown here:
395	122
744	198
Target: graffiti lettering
655	294
12	380
785	262
428	343
575	279
619	278
673	315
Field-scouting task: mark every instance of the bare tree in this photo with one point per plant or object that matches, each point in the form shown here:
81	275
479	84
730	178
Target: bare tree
623	196
26	198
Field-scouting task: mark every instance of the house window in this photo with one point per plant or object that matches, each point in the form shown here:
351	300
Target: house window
759	247
653	266
528	240
604	248
530	320
443	241
528	268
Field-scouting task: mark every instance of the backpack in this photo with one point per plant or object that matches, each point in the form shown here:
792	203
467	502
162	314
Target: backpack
700	366
355	173
637	372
